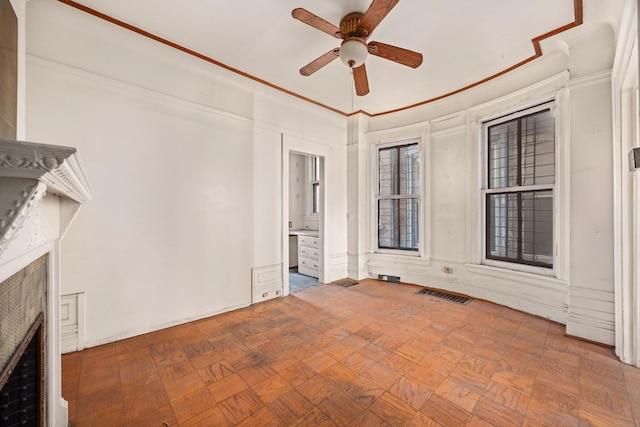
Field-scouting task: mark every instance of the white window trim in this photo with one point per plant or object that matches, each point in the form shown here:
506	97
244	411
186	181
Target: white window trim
560	207
392	138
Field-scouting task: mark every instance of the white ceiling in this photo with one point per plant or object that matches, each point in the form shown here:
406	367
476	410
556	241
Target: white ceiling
462	41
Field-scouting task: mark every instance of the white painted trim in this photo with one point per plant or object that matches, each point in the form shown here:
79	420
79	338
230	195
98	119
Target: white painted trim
339	266
398	136
589	80
519	276
295	145
535	94
58	412
266	283
561	175
624	86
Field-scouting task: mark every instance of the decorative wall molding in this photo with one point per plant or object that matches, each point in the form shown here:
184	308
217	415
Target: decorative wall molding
266	283
27	171
339	266
590	315
72	322
58	167
16	212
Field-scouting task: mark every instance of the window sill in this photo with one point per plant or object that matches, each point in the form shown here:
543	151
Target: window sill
398	252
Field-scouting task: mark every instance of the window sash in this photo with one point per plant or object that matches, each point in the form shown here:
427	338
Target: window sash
519	192
398	198
519	227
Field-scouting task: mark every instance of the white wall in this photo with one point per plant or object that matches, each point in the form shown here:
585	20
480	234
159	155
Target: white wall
580	290
185	163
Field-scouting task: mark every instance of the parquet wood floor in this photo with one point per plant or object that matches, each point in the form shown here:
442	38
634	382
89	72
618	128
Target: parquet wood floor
374	354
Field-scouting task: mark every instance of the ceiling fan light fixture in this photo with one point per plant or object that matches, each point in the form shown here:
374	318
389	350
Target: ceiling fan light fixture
353	52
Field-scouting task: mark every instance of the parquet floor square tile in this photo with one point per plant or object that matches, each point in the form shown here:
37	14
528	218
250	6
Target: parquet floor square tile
319	358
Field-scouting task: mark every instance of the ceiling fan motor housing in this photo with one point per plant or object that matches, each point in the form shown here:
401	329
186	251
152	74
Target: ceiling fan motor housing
350	25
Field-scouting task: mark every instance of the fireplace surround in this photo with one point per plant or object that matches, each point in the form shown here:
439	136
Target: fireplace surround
41	190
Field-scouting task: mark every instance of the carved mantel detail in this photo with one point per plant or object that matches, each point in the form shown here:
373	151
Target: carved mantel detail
29	170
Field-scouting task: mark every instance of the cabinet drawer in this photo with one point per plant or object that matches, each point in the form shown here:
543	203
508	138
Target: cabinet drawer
312	272
308	263
307	252
312	242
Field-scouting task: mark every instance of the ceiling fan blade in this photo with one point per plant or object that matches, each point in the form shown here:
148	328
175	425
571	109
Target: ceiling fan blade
360	80
320	62
396	54
375	14
316	22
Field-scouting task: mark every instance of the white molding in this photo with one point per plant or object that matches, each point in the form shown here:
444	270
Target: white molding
357	268
16	214
388	264
391	134
59	171
591	79
72	327
518	276
266	283
624	86
291	144
535	94
339	266
449	131
590	314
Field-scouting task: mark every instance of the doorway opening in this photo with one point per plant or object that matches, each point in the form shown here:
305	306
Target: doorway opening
304	219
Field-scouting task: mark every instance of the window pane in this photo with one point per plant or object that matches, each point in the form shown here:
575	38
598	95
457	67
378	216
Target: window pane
388	223
408	220
315	198
520	227
537	227
315	168
409	169
537	134
398	221
388	171
503	155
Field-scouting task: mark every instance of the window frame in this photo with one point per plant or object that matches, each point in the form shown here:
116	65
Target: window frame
552	106
312	183
420	197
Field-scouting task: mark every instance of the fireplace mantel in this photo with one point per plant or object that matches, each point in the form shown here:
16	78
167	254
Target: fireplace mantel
28	171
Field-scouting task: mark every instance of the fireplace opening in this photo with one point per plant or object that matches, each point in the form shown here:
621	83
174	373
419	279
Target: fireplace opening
22	382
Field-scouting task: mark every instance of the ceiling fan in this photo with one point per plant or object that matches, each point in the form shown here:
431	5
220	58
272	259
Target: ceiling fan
355	28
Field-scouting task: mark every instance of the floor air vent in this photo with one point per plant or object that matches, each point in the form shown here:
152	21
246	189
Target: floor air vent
346	283
445	296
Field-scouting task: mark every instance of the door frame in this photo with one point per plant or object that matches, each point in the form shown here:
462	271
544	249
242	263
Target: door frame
296	145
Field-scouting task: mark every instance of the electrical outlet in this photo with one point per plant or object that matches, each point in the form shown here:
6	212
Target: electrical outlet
447	270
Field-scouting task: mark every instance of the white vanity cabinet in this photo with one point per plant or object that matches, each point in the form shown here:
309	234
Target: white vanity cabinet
309	255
